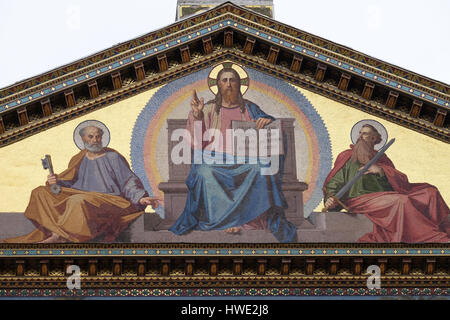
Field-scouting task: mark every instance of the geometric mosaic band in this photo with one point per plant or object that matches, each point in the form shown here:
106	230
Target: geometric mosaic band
205	252
225	292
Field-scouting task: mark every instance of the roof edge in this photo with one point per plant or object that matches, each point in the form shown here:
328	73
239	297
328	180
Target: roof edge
227	7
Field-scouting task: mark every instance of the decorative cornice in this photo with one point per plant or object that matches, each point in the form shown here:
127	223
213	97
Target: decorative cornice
220	250
235	55
227	15
124	269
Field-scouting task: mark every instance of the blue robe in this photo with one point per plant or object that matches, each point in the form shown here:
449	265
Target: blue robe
108	174
222	196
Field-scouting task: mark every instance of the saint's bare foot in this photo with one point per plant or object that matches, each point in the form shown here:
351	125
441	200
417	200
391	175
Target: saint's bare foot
53	239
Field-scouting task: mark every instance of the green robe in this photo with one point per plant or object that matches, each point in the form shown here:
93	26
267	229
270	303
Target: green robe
368	183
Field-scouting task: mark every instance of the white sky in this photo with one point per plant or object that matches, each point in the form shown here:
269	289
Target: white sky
37	36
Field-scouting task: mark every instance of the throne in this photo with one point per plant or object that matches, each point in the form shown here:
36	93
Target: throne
175	190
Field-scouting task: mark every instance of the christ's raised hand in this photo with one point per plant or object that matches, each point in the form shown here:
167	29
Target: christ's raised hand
197	105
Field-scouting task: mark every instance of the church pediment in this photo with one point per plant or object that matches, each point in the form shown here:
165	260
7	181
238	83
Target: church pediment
226	148
226	32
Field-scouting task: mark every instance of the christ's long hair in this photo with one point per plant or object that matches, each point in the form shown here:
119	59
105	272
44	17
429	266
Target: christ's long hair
363	151
218	99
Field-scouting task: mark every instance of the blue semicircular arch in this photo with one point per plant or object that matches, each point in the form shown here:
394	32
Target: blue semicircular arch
152	106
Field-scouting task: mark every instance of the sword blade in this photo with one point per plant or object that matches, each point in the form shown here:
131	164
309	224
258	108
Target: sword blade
349	184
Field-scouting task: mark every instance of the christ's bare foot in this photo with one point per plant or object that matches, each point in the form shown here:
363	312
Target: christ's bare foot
53	239
234	230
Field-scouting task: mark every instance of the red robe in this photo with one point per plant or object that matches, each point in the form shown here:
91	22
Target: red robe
413	212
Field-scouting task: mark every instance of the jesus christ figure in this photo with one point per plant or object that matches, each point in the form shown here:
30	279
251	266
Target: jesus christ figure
231	197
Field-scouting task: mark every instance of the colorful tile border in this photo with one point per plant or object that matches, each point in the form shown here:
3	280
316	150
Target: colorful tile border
229	22
225	292
247	252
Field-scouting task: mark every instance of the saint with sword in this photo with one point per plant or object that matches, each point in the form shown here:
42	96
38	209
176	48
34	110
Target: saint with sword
364	181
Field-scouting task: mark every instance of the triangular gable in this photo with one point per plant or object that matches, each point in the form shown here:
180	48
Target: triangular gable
225	32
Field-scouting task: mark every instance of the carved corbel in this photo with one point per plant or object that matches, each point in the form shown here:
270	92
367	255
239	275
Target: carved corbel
140	71
185	54
320	72
249	45
415	108
296	64
392	99
70	98
273	55
116	80
207	45
162	62
228	39
93	89
22	113
439	119
46	107
344	81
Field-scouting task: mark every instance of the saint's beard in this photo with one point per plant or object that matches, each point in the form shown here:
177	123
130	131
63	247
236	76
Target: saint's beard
94	147
363	152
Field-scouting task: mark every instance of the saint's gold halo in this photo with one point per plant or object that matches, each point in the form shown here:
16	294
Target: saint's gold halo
212	77
354	134
91	123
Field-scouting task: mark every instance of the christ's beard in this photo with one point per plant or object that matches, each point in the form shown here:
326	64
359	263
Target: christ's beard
363	152
230	96
94	147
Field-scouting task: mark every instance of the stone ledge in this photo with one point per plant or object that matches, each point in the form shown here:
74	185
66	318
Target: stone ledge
322	227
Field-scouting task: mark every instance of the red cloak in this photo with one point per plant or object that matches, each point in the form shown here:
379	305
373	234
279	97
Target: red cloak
413	212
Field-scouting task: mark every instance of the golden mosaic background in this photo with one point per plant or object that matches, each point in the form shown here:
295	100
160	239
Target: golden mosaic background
422	158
